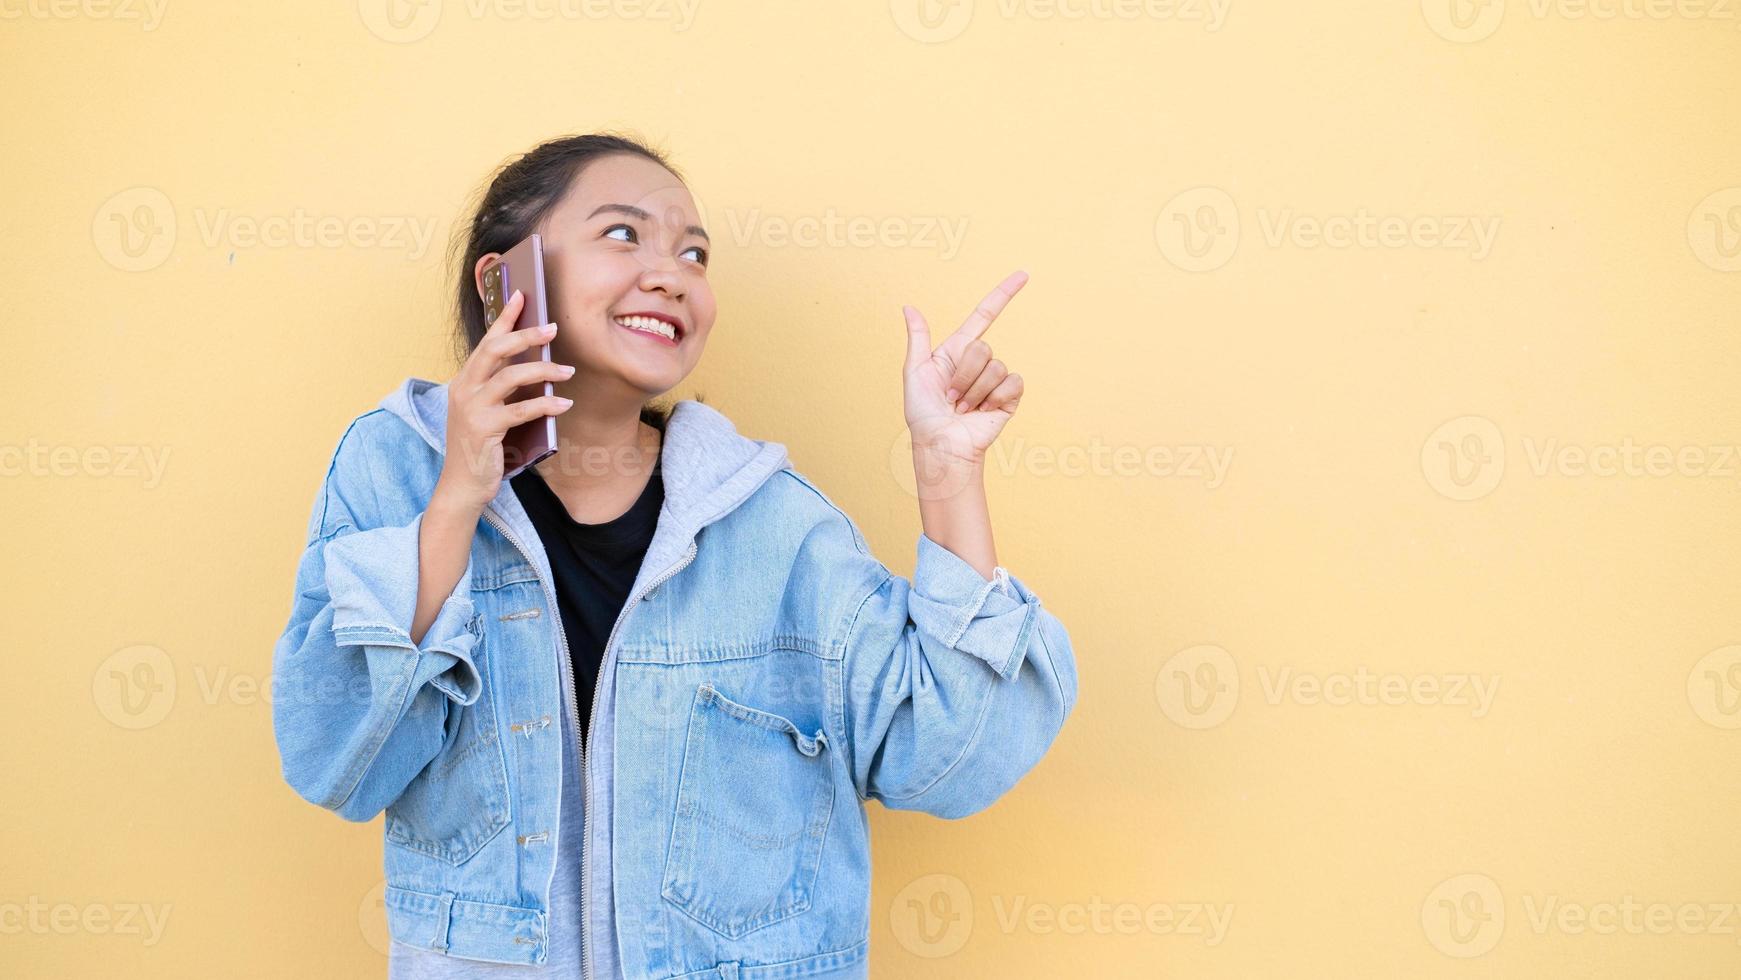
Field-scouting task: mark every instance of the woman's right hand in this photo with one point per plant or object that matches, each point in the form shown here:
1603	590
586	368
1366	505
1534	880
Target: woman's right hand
478	415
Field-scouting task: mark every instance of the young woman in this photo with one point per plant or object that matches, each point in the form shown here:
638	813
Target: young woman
622	711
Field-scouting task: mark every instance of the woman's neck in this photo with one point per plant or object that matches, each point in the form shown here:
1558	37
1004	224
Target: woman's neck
602	462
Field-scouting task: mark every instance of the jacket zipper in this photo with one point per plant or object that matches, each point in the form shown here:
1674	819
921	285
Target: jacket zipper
566	668
586	772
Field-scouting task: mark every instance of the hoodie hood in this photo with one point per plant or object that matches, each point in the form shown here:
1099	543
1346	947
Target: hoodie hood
708	467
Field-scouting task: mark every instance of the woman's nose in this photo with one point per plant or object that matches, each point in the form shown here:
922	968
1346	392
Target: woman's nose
662	277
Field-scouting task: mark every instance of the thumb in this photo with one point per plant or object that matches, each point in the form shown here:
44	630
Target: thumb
918	338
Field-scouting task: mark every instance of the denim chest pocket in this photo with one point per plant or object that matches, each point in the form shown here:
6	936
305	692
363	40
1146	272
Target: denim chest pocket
754	798
459	802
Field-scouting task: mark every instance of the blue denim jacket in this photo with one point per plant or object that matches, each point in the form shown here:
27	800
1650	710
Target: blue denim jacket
766	676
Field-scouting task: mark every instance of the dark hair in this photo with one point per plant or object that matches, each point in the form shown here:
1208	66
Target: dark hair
518	197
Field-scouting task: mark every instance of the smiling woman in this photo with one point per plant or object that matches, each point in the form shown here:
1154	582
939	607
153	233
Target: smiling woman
661	570
599	234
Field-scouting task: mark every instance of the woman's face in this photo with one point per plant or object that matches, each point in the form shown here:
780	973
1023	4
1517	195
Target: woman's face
626	240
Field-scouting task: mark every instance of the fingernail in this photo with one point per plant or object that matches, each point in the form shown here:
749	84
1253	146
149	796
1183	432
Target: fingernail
548	328
564	401
566	368
950	396
960	407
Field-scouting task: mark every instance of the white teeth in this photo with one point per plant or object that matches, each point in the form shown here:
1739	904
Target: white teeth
647	324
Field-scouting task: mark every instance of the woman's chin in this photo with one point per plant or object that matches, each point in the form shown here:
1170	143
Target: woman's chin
652	381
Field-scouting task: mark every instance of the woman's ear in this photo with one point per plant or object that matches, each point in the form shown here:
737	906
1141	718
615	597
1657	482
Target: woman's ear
484	261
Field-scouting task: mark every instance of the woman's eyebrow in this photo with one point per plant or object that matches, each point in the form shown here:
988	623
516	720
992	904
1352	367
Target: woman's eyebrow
635	212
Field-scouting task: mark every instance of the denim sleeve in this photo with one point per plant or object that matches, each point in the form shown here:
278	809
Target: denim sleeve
358	709
955	685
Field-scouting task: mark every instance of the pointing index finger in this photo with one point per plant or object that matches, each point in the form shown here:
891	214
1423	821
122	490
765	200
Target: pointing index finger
980	319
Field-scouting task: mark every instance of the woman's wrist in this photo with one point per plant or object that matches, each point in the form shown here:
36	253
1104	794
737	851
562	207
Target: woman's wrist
953	509
449	502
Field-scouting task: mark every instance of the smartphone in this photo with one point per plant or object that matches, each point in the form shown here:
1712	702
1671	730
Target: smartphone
522	268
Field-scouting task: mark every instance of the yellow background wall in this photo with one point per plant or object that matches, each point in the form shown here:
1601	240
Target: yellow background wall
1487	448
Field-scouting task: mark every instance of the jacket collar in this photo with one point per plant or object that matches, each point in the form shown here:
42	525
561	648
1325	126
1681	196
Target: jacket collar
708	468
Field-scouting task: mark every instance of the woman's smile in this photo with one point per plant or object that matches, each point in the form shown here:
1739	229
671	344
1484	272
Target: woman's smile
661	327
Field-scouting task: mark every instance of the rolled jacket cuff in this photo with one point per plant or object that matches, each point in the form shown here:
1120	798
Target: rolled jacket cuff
990	619
372	579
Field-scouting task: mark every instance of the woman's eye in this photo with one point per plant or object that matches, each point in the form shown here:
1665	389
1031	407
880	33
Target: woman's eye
701	253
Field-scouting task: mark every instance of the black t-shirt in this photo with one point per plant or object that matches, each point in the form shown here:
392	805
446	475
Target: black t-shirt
594	566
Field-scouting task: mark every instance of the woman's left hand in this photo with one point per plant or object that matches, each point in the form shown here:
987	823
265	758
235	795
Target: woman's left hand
961	427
